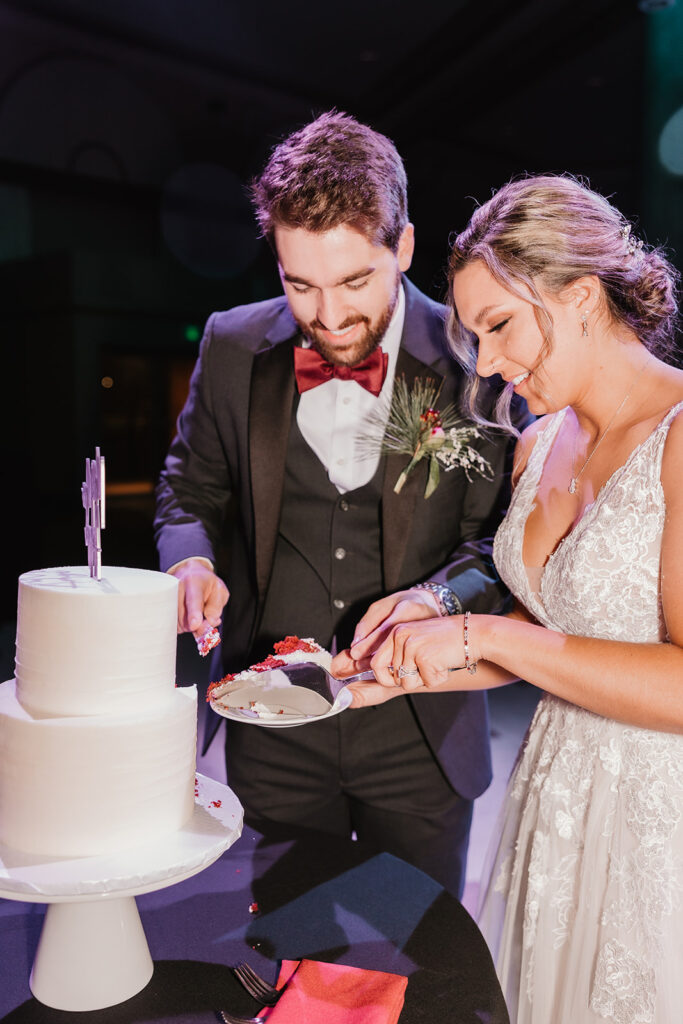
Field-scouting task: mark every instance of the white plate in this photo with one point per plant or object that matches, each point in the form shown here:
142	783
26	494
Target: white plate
293	705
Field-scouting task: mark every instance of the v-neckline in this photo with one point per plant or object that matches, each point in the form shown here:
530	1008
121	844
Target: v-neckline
589	509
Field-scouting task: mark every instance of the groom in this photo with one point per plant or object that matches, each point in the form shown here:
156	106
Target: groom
269	460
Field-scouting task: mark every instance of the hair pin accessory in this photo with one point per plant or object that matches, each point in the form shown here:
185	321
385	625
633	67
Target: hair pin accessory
633	245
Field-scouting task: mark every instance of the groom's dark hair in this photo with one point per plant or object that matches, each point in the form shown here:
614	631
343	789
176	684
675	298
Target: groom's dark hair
334	171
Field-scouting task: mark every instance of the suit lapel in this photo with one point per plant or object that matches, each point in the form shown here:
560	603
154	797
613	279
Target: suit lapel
398	509
270	412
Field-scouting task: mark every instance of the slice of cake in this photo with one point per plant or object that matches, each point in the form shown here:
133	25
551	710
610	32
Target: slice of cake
290	651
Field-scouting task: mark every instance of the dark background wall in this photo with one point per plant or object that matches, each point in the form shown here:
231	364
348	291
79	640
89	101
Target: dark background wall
129	129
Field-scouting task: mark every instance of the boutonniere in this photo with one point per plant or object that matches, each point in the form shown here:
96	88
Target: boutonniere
415	427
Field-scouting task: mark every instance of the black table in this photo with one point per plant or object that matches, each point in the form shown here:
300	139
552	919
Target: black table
318	897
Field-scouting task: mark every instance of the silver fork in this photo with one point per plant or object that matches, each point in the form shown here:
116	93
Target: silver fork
257	987
230	1018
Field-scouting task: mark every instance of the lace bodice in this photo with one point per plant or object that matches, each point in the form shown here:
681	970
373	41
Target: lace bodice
602	580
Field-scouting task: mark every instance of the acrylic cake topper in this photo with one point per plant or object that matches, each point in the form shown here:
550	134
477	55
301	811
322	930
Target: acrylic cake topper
92	493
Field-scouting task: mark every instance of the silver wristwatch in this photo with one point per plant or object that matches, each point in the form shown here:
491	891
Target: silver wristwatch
448	602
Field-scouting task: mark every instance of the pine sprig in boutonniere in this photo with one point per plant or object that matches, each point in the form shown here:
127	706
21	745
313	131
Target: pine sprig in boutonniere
415	427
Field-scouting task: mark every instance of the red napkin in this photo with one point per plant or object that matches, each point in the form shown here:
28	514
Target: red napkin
321	993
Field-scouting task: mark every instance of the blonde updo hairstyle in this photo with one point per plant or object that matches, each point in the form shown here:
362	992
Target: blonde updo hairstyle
541	233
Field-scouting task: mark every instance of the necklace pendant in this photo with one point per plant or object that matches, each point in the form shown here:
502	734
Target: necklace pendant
572	486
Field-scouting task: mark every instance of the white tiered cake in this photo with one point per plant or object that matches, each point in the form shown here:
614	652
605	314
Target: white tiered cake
97	746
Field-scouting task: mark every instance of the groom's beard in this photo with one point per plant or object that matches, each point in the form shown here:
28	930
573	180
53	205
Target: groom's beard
359	349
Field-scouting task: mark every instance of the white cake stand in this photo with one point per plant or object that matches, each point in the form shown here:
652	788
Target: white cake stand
92	951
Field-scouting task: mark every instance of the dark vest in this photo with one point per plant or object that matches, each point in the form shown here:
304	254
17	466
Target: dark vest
327	566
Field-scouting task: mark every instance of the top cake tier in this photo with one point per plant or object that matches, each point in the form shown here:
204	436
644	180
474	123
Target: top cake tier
89	647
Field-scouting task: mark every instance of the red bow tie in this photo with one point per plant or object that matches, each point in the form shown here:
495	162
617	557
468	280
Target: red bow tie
312	369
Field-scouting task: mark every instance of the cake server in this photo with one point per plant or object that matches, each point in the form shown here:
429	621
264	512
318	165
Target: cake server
311	676
304	688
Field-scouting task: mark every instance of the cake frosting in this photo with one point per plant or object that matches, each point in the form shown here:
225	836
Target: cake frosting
92	647
97	745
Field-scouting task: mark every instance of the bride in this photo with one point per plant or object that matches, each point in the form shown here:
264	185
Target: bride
550	288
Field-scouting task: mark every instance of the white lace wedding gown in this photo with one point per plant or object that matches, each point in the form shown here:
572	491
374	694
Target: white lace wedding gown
582	908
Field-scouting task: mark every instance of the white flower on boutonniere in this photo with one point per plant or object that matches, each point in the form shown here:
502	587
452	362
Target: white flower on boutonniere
415	427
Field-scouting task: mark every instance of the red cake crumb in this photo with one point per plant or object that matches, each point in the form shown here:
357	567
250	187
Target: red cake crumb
267	664
216	803
293	643
207	641
253	908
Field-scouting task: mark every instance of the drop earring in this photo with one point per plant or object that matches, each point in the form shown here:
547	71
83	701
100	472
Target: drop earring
584	325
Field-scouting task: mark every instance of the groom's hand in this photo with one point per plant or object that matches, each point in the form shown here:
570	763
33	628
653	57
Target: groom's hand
380	619
201	596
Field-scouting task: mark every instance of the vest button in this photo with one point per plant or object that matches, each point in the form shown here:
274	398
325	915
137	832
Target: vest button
344	505
338	603
340	553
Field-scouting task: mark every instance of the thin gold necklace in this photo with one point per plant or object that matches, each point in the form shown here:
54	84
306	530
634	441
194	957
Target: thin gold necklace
575	476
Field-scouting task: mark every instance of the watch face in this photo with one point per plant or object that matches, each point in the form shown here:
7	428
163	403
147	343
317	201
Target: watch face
448	602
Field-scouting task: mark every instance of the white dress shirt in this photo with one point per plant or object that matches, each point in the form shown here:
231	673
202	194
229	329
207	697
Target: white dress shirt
335	417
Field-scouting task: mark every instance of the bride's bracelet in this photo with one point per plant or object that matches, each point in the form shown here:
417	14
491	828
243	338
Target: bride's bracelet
470	665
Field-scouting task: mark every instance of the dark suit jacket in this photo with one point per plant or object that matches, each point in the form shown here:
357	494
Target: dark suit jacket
230	451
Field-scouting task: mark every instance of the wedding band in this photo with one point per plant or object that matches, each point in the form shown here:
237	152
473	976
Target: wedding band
403	672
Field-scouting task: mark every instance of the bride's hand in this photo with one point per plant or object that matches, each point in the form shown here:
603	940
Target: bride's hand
425	652
423	655
429	657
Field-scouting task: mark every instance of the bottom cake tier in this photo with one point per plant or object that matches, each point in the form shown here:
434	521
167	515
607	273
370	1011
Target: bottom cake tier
85	786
